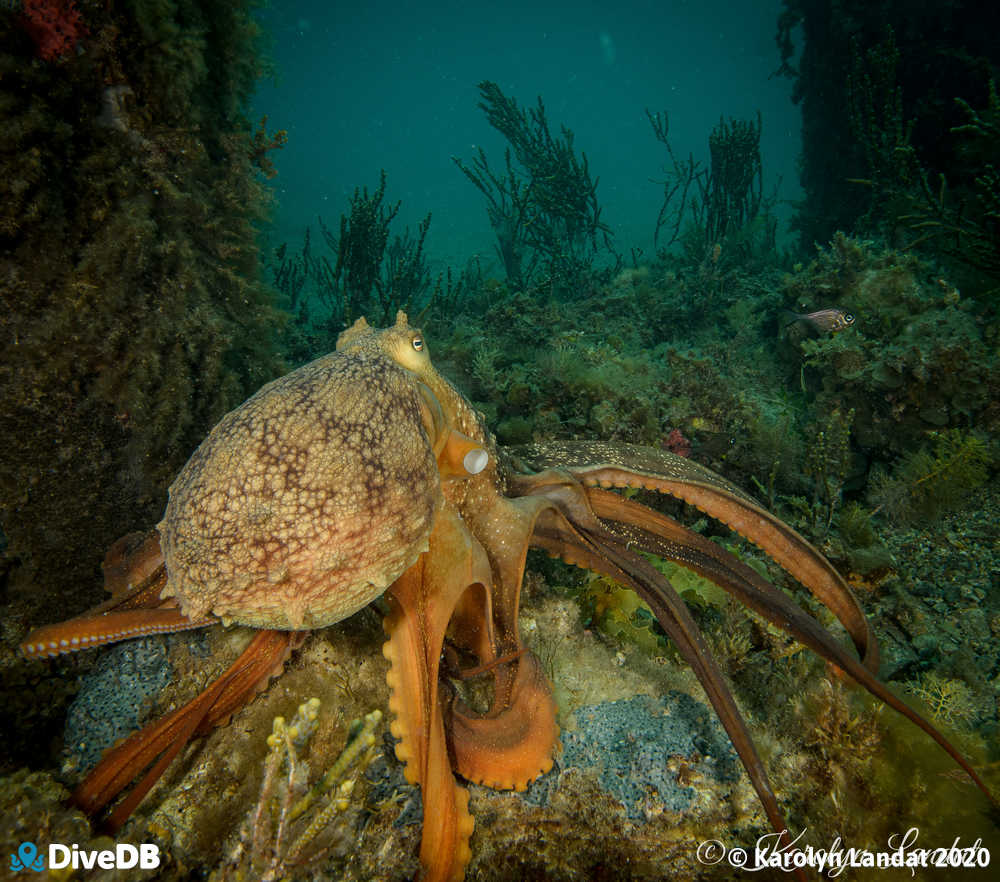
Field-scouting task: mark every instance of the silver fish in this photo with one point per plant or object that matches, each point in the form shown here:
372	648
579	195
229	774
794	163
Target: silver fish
826	321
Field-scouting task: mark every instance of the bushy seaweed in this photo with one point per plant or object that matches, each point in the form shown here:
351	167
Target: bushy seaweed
933	479
543	208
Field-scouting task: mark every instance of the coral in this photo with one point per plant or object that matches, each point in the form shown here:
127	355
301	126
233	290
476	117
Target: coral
282	833
371	275
717	213
734	189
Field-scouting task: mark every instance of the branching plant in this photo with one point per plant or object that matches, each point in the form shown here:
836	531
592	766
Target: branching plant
959	219
721	208
685	181
372	275
295	823
932	480
828	463
365	270
543	207
967	226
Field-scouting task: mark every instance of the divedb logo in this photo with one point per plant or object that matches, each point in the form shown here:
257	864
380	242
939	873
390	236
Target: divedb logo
123	856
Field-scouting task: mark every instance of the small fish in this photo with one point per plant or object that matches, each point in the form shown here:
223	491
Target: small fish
826	321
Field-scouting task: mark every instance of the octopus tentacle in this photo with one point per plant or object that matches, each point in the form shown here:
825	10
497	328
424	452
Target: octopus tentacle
135	611
134	575
89	631
421	604
156	745
133	560
660	535
457	591
511	745
583	541
582	538
660	470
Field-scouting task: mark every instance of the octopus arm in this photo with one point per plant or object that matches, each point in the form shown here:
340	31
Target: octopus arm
696	485
153	748
597	530
455	593
91	630
592	547
660	535
135	609
421	602
135	575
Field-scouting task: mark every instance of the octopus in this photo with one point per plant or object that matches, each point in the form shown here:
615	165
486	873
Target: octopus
367	474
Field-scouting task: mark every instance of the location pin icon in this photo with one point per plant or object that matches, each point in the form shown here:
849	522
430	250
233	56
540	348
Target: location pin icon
28	852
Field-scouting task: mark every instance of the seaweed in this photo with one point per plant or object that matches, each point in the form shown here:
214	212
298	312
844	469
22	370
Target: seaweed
855	526
947	699
931	481
294	822
543	209
918	358
828	462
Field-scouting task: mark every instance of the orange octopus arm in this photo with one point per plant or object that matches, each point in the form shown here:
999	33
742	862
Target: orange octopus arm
631	465
422	601
134	575
88	631
513	743
658	534
157	745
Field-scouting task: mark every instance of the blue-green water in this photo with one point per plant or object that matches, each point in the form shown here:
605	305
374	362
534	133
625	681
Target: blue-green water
386	85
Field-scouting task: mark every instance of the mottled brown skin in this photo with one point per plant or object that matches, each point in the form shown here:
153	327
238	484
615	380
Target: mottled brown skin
304	504
367	470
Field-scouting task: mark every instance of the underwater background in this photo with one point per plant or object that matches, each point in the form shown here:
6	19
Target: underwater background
762	235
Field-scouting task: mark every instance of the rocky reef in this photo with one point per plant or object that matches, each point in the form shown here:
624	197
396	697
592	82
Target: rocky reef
134	315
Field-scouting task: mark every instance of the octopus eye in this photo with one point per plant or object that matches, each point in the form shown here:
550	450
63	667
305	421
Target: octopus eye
418	343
